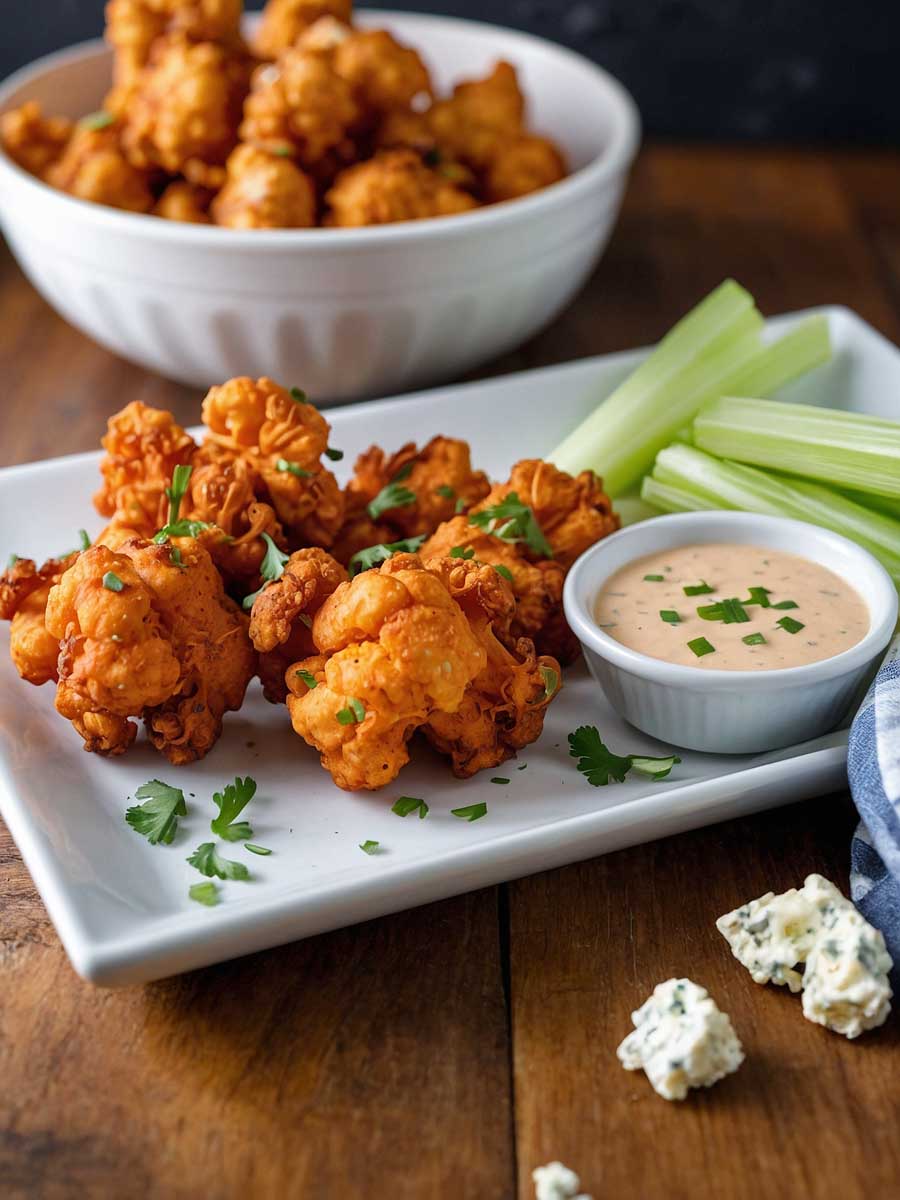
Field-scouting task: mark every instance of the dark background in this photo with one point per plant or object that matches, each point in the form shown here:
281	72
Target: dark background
789	70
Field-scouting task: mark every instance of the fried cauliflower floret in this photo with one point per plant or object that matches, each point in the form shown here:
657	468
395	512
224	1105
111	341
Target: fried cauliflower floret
32	140
284	22
394	649
383	73
143	635
185	111
264	191
324	36
93	167
573	512
480	117
405	127
395	185
525	164
281	619
182	201
436	482
299	104
24	588
358	532
143	447
504	706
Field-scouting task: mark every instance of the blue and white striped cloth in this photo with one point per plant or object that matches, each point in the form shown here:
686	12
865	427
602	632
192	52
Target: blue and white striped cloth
874	770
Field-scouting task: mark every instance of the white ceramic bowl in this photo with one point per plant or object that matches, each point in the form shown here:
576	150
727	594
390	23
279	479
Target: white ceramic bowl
729	712
346	313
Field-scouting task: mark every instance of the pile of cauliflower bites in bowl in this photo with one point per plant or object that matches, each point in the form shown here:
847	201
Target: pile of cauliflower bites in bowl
314	123
420	597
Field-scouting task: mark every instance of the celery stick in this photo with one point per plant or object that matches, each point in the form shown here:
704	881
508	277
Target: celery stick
840	448
882	504
632	509
802	348
692	364
674	500
683	472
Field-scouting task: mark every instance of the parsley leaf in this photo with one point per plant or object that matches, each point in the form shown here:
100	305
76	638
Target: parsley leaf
504	572
157	818
364	560
472	812
600	766
231	802
204	893
293	468
410	804
369	847
271	569
513	521
462	552
392	495
208	861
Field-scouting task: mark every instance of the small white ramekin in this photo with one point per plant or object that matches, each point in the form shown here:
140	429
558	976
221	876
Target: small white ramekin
729	712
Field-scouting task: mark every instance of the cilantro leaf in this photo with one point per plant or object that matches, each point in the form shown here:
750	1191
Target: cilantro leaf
445	491
208	861
181	528
364	560
392	495
157	818
513	521
465	552
599	765
472	812
504	572
271	569
231	802
410	804
204	893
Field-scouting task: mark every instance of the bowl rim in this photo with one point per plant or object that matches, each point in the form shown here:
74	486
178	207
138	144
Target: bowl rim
882	604
614	159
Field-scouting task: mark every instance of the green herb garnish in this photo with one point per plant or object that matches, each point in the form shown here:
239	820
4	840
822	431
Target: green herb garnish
392	495
112	582
654	579
790	625
334	455
11	561
472	812
551	681
462	552
299	395
283	152
293	468
754	639
670	616
364	560
353	714
308	678
499	779
369	847
84	539
97	120
701	646
504	572
599	765
204	893
157	818
231	802
783	604
760	596
445	491
271	568
181	528
256	849
513	521
177	490
730	612
698	589
410	804
208	861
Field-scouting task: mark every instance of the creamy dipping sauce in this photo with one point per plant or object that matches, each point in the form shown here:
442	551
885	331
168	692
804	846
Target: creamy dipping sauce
763	609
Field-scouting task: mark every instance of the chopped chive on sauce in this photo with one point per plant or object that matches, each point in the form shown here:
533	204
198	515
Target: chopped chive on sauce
654	579
701	646
783	604
790	625
670	616
731	612
754	639
698	589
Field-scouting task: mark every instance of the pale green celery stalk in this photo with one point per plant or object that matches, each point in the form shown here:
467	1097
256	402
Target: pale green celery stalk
843	449
883	504
691	365
802	348
681	472
670	499
632	509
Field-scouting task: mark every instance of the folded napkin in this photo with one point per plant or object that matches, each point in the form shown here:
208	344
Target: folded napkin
874	769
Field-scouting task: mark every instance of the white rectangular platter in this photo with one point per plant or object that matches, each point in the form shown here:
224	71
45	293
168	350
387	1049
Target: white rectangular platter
121	906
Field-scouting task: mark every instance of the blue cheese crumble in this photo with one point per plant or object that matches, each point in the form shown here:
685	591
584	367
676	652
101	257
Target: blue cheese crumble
556	1182
846	965
681	1040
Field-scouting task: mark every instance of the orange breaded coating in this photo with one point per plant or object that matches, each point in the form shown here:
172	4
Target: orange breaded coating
182	201
358	532
439	478
264	191
395	185
525	164
324	36
24	588
504	706
405	127
185	111
573	513
281	619
394	649
93	167
32	140
284	21
383	73
143	447
299	104
480	117
144	635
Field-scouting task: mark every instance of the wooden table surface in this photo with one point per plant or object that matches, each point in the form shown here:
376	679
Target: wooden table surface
447	1051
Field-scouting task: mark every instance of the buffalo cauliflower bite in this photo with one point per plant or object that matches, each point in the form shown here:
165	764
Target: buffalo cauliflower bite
324	36
32	140
503	708
24	588
395	185
185	111
264	191
525	164
394	648
143	447
182	201
383	73
285	21
299	105
142	634
93	167
480	117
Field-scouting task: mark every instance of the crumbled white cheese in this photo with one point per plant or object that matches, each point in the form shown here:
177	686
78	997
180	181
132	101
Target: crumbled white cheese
845	985
681	1040
556	1182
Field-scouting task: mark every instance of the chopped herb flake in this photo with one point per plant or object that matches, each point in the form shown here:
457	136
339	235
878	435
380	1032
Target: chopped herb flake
308	678
84	539
299	395
760	596
731	612
701	646
754	639
364	560
181	477
784	604
698	589
654	579
410	804
96	121
670	616
505	572
472	812
462	552
293	468
445	491
157	818
208	861
369	847
500	779
231	802
550	677
112	582
204	893
271	568
600	766
334	455
263	850
513	521
181	528
790	625
390	496
353	714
